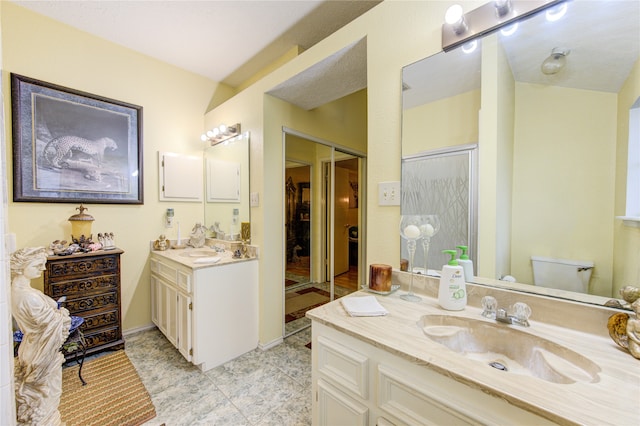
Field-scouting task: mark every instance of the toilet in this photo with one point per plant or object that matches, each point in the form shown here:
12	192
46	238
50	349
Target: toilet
562	274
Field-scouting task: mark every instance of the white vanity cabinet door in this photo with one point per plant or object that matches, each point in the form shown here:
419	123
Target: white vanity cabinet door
170	296
155	300
184	307
336	408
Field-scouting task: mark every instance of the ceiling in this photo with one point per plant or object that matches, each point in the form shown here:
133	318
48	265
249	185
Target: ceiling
227	41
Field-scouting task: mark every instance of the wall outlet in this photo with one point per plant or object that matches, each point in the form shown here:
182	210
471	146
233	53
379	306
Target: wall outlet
389	193
254	199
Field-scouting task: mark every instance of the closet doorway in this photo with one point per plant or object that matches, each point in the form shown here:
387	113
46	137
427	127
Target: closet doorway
323	184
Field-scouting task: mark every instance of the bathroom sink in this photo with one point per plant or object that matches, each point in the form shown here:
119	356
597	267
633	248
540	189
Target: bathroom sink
199	253
509	350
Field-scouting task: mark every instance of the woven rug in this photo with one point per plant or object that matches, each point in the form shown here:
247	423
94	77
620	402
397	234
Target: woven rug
113	395
299	302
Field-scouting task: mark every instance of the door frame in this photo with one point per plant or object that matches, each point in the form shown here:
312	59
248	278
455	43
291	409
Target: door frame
362	210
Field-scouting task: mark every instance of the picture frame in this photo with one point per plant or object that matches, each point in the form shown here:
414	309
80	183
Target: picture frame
71	146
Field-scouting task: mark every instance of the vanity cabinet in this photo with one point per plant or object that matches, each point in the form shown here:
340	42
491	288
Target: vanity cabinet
209	313
91	284
356	383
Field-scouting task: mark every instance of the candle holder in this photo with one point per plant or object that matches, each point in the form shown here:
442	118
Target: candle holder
410	230
429	228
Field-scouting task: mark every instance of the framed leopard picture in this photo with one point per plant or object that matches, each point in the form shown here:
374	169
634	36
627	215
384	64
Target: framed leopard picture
70	146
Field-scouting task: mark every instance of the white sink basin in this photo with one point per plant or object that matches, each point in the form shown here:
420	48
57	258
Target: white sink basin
508	349
199	253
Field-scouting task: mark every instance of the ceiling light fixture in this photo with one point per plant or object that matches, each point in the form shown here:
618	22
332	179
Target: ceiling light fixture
459	28
555	62
220	134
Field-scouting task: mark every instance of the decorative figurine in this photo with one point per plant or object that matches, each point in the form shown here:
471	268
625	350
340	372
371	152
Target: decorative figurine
45	327
161	243
198	235
107	240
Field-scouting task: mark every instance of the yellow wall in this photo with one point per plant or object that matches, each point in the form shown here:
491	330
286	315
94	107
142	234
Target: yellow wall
442	123
627	239
174	102
564	162
398	33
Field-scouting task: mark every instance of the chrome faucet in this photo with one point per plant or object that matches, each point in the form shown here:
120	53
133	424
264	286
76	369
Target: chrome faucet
518	314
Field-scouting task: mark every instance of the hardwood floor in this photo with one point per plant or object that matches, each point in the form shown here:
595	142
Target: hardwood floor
348	280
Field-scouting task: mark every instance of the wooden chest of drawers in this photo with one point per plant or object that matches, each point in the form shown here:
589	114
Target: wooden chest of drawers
91	283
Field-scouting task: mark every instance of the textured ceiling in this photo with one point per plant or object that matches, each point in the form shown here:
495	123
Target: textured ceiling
227	41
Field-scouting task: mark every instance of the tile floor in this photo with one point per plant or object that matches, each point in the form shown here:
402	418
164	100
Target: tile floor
271	387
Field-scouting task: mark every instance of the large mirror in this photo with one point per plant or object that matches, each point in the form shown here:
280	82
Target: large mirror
552	148
226	198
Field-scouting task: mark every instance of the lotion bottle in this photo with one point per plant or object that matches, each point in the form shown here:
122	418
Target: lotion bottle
452	293
466	263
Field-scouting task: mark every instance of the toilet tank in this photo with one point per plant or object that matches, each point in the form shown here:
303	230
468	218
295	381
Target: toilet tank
563	274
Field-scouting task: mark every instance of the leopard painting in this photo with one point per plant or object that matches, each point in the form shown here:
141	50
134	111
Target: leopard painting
60	150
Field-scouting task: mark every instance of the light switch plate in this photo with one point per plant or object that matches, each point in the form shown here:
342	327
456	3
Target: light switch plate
389	194
255	199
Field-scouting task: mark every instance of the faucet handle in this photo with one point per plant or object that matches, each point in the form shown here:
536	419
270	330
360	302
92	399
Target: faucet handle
522	312
489	307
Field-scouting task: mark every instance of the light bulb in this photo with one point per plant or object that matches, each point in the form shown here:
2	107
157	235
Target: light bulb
453	14
210	133
203	137
455	17
223	128
470	47
503	7
215	132
556	13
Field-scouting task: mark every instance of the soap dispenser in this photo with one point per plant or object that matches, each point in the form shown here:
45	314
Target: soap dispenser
466	263
452	293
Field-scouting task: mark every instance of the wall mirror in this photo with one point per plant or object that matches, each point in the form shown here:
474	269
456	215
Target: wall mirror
226	189
550	146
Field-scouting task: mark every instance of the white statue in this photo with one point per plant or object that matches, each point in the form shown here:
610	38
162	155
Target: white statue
45	327
198	236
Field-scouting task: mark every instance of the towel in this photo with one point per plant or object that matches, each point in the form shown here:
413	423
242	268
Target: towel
210	259
366	306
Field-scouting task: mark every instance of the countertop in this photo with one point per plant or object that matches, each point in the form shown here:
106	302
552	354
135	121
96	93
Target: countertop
612	399
189	257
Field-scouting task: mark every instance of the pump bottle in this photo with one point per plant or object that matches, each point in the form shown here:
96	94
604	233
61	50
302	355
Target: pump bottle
466	263
452	293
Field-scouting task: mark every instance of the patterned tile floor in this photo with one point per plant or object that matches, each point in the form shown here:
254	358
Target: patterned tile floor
271	387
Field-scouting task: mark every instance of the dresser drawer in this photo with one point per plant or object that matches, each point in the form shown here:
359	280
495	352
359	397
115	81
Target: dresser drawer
83	286
102	337
104	301
101	319
67	268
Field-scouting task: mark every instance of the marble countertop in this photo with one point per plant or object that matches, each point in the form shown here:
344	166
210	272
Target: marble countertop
192	257
611	399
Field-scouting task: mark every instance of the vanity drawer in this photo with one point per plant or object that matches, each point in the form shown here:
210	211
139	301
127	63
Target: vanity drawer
344	367
184	281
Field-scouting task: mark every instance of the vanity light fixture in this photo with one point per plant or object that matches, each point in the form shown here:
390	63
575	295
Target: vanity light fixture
460	28
454	17
555	62
221	133
555	13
